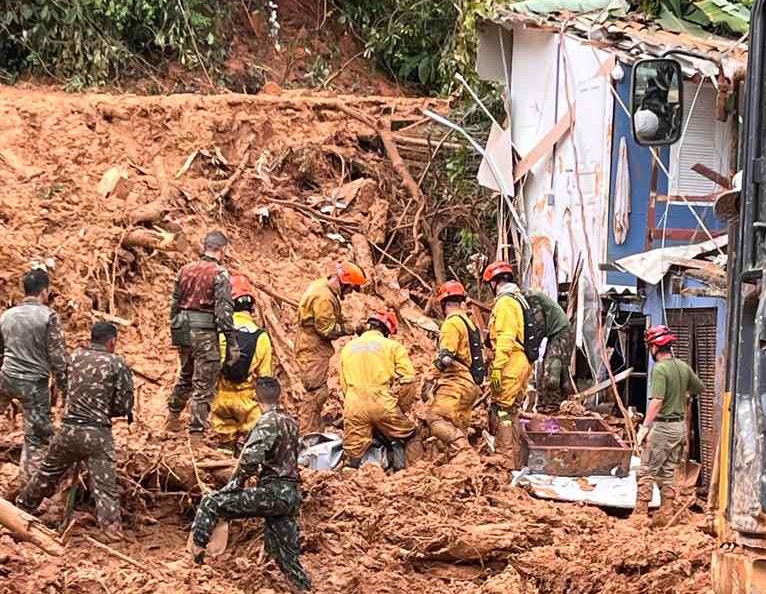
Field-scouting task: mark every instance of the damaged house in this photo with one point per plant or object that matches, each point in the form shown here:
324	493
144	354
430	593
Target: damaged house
628	231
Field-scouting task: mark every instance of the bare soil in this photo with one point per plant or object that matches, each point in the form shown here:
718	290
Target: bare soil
442	528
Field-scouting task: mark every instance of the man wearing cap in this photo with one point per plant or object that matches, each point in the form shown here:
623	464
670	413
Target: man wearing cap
664	428
321	322
378	382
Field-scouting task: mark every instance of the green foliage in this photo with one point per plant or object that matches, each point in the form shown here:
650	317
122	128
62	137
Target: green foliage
419	41
682	16
92	41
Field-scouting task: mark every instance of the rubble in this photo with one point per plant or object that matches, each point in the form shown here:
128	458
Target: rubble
442	528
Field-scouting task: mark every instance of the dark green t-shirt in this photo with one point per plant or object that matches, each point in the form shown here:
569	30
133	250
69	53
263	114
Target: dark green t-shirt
672	380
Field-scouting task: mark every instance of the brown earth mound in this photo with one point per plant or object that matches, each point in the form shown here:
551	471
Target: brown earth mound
114	194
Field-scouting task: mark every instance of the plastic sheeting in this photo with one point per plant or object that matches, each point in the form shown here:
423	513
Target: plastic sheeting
606	491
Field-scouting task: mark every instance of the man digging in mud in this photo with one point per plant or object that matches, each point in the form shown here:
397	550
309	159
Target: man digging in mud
31	347
271	452
510	367
461	369
235	410
378	382
321	322
100	388
664	428
201	308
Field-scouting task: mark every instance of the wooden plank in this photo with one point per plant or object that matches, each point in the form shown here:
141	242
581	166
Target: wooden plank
623	375
712	175
691	235
545	145
711	198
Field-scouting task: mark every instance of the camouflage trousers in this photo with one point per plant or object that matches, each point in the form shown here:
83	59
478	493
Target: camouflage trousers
660	458
198	378
278	502
95	447
35	400
555	385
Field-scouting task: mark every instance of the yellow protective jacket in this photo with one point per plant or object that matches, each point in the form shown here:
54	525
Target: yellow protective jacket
454	338
319	310
234	408
371	363
506	331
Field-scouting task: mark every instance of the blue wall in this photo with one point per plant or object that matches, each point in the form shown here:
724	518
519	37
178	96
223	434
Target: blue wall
640	165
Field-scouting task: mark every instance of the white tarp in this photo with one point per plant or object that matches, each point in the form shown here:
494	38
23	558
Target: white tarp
607	491
622	195
653	265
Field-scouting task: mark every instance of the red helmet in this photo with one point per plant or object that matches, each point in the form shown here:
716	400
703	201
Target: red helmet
659	336
387	318
241	287
451	288
349	273
496	269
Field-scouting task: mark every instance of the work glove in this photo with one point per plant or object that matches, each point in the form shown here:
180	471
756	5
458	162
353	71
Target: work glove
232	353
495	382
643	431
129	417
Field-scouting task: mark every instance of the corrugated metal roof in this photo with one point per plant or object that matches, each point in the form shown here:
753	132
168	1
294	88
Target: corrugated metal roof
633	37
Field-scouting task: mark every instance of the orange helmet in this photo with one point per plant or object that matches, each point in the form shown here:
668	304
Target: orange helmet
451	288
241	287
387	318
496	269
349	273
659	336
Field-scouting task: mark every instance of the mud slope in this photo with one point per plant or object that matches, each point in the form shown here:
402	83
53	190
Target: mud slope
75	172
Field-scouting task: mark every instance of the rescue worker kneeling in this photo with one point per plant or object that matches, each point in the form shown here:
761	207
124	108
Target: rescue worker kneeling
235	410
510	368
461	369
378	382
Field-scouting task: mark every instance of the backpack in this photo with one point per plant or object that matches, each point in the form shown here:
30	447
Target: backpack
534	332
477	367
240	371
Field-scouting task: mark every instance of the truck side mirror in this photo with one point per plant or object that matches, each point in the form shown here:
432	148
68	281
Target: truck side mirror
657	101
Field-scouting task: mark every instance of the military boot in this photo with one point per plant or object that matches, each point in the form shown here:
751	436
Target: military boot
640	515
196	440
665	513
173	422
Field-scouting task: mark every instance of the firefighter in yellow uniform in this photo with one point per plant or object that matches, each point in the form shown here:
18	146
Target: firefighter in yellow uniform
510	369
456	389
321	322
235	410
378	382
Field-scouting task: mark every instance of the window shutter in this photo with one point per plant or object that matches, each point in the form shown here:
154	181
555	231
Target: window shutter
706	141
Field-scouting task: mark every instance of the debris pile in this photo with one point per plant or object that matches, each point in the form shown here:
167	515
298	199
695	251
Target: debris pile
114	194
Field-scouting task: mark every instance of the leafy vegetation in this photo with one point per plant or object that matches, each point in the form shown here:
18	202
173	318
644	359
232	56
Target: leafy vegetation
93	41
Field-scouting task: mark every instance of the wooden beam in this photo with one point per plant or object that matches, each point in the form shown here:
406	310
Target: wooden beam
712	175
545	145
623	375
711	198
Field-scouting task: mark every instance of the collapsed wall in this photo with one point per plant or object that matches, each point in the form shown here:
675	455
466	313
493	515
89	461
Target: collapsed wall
113	194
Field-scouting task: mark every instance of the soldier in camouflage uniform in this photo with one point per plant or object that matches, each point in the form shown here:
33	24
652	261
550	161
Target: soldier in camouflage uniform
554	385
100	388
31	347
201	308
271	452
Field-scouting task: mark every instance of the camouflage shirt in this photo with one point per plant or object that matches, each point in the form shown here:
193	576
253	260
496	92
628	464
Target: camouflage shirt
100	387
32	343
204	286
548	312
272	448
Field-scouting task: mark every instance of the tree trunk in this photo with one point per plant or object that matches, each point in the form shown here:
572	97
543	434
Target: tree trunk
29	528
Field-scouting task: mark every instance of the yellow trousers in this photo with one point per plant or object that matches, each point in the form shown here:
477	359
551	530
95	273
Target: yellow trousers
312	354
234	408
453	399
363	412
513	380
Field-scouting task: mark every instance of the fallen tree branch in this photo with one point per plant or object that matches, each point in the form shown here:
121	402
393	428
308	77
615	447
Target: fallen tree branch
221	196
123	557
273	294
28	528
307	210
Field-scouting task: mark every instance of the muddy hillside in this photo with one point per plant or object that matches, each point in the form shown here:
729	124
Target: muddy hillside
113	195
